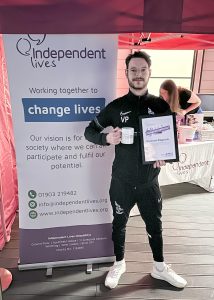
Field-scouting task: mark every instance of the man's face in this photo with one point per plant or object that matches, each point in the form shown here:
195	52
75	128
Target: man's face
138	73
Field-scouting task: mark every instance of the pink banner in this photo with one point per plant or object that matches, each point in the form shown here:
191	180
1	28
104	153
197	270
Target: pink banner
8	177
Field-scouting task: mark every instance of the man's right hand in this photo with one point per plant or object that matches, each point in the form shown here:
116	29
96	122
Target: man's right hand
114	136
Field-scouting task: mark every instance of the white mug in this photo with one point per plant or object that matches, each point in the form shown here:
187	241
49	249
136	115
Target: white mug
127	135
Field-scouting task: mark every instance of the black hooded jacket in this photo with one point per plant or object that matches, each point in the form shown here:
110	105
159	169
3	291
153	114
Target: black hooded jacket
125	112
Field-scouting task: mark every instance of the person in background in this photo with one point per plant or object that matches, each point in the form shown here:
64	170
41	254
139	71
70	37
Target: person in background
132	182
181	100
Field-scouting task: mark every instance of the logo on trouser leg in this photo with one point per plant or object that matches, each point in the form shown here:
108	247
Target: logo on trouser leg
149	235
119	210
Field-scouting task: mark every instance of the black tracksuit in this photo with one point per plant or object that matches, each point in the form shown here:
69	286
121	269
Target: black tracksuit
132	182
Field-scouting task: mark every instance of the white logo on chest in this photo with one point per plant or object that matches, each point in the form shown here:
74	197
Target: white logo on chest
124	117
150	112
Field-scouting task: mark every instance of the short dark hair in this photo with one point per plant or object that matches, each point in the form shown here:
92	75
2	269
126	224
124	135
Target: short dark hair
140	54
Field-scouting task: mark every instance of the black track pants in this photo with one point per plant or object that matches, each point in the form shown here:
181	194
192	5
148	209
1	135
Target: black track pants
123	197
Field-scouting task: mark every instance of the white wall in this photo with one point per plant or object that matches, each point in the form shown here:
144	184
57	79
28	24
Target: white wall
176	65
122	84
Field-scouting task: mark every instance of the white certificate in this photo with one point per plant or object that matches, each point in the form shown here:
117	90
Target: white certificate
159	138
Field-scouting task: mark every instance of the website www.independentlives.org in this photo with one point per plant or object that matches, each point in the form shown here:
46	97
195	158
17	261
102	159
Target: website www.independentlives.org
74	211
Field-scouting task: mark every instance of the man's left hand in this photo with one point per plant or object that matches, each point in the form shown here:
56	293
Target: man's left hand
159	163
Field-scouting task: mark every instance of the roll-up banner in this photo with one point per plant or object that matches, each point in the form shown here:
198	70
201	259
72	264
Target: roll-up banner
58	83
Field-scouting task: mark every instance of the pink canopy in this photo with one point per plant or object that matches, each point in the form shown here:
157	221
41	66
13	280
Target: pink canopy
190	21
166	41
112	16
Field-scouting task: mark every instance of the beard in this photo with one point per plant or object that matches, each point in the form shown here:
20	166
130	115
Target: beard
139	84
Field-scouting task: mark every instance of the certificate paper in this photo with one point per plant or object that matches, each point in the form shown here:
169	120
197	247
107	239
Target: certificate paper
159	138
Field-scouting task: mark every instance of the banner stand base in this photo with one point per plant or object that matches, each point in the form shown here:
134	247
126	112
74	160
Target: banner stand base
50	265
89	269
49	272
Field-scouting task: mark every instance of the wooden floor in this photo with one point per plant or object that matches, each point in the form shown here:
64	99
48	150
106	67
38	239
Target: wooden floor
188	221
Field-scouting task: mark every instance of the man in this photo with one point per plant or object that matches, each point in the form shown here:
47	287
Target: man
132	182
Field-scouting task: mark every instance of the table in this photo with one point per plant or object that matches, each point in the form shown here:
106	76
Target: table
196	165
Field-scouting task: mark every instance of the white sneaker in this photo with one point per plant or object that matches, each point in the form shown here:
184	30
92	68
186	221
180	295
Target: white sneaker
113	276
170	276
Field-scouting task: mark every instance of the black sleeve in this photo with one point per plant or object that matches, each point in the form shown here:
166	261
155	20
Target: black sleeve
158	105
93	132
